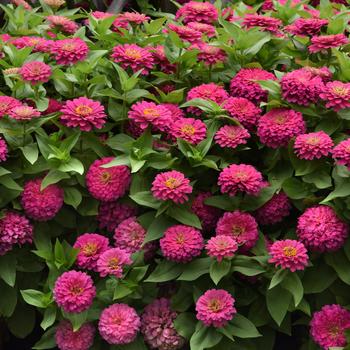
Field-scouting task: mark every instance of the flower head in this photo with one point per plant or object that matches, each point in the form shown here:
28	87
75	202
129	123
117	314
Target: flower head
266	23
241	177
189	129
62	24
231	136
81	339
7	103
186	33
215	308
171	185
3	150
83	113
22	3
289	254
90	246
24	113
107	184
328	326
341	153
35	72
242	227
307	26
209	54
160	59
41	205
134	57
337	95
194	11
181	243
69	51
38	44
74	291
204	28
279	125
220	247
119	324
112	261
320	229
55	3
324	42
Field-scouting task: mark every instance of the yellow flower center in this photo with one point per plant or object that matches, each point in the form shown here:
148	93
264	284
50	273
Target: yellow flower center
237	230
83	110
76	290
69	47
289	251
340	90
133	53
313	140
180	238
151	113
214	305
240	175
90	249
188	129
105	177
172	183
334	331
280	119
113	263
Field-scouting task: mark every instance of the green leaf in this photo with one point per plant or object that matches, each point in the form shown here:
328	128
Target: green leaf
340	264
34	297
185	324
52	177
218	270
312	281
72	196
204	337
8	264
157	228
145	199
8	299
277	278
137	344
293	284
154	26
9	183
183	215
223	202
49	318
341	190
72	165
278	301
248	271
47	341
22	321
295	189
76	319
243	328
30	152
165	271
195	269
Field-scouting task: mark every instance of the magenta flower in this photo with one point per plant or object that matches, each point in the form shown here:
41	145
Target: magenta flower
209	54
341	153
189	129
186	33
74	291
220	247
107	184
181	243
69	51
336	95
38	44
160	59
35	72
215	308
231	136
306	26
62	24
7	103
207	29
171	185
265	23
325	42
194	11
3	150
119	324
23	113
112	261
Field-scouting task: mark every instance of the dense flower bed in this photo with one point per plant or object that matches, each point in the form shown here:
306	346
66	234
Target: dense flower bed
176	181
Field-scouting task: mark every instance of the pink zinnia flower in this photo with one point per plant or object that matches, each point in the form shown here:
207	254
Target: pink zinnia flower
215	308
15	229
323	72
38	44
62	24
306	26
186	33
157	326
7	103
133	17
160	59
53	107
35	72
337	95
289	254
313	145
134	57
245	111
83	113
325	42
244	84
74	291
3	150
41	205
207	215
220	247
145	114
266	23
341	153
112	261
176	112
90	247
67	339
301	87
328	326
241	177
189	129
194	11
23	113
107	184
242	227
171	185
209	92
129	235
274	211
23	3
69	51
119	324
111	214
279	125
320	229
209	54
181	243
231	136
207	29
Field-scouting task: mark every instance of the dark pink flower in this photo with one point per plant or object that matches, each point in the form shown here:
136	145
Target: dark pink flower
160	59
231	136
204	28
341	153
220	247
209	54
189	129
7	103
306	26
3	150
337	95
38	44
62	24
194	11
133	18
266	23
186	33
112	262
35	72
325	42
23	113
69	51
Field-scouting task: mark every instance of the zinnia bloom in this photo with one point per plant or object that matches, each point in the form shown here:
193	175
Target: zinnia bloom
62	24
241	177
23	113
274	211
194	11
244	84
74	291
134	57
242	227
220	247
279	125
266	23
67	339
306	26
215	308
231	136
313	145
157	326
320	229
69	51
341	153
41	205
83	113
53	106
38	44
22	3
3	150
133	17
119	324
35	72
325	42
129	235
112	261
186	33
337	95
7	103
209	54
204	28
289	254
107	184
160	59
181	243
328	326
171	185
90	247
189	129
